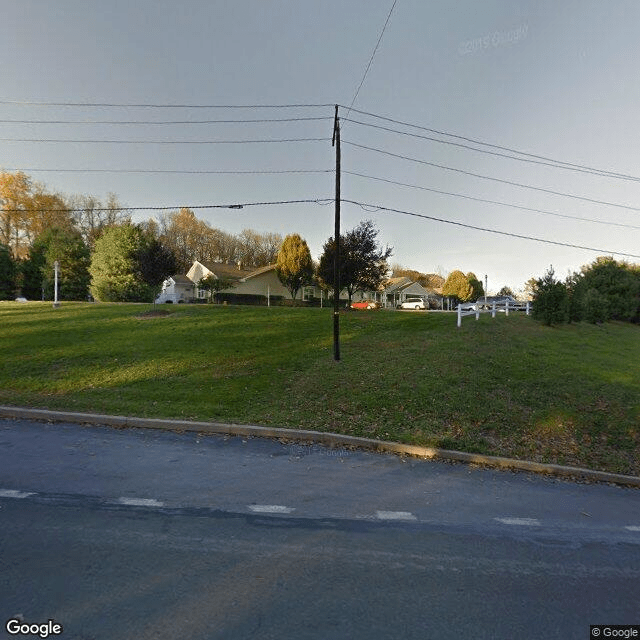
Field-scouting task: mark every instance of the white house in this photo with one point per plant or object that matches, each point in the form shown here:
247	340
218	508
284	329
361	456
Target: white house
218	270
176	289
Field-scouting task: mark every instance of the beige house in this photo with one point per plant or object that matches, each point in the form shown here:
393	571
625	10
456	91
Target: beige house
265	282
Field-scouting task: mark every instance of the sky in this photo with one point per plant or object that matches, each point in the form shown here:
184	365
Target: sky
557	80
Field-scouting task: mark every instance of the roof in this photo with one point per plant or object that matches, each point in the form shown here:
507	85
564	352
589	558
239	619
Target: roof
260	271
225	270
396	284
180	279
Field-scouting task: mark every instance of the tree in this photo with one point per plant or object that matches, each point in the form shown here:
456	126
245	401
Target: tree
477	290
617	283
27	210
457	286
91	216
215	285
363	264
506	291
117	272
258	249
294	266
550	300
7	273
156	262
67	247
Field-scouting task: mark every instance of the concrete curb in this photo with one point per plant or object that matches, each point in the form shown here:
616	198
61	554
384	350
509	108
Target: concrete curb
318	437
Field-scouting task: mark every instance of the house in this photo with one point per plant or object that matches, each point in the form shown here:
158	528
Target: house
219	270
264	282
176	289
396	290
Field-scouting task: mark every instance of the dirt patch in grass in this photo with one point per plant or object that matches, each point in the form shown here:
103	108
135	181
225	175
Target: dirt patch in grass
154	313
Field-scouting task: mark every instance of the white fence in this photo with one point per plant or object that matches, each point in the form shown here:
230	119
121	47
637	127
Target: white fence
503	307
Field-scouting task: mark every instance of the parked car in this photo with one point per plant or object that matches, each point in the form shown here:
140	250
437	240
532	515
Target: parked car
413	303
365	304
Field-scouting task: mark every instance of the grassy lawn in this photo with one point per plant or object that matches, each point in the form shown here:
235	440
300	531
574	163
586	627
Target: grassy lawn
504	386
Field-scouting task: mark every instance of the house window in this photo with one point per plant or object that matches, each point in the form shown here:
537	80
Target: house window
307	293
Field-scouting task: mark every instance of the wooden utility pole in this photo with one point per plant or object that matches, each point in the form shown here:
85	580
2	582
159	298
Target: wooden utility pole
336	256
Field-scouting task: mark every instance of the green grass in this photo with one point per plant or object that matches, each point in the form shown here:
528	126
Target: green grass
504	386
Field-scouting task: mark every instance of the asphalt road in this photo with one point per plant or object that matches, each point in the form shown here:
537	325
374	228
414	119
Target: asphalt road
144	534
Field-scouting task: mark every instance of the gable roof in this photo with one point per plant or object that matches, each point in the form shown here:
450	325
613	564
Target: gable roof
225	270
180	279
259	271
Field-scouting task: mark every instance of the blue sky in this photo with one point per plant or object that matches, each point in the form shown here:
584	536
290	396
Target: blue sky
555	79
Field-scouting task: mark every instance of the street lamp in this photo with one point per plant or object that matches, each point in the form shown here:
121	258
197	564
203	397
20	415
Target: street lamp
56	266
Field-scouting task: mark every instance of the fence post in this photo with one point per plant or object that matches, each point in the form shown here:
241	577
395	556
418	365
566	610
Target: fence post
459	315
527	307
493	309
477	311
506	308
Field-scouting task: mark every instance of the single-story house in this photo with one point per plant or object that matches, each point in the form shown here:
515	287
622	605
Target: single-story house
176	289
219	270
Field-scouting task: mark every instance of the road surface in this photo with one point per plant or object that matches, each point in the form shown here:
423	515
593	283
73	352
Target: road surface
117	534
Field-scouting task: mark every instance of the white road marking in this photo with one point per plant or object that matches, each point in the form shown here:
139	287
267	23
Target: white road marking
395	515
140	502
12	493
270	508
521	522
633	528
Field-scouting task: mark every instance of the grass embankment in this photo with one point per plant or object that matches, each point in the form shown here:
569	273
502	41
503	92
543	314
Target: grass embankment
504	386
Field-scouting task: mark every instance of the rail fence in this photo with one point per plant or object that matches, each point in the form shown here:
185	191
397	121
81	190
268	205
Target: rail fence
476	309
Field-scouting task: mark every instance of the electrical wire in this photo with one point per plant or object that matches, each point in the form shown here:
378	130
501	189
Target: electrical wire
201	142
483	177
366	71
31	103
237	205
483	143
502	204
168	122
555	164
373	207
181	171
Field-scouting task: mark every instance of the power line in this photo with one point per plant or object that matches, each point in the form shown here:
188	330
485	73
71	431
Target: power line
483	177
503	204
169	122
237	205
262	141
554	164
366	71
371	208
183	171
487	144
31	103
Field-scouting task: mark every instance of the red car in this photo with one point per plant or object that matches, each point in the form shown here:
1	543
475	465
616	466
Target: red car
365	304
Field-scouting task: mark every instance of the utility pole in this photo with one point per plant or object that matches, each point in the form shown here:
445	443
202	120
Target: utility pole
336	256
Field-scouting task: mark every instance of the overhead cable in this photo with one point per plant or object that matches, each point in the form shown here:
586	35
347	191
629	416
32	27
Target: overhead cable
374	207
554	164
375	49
483	177
502	204
483	143
263	141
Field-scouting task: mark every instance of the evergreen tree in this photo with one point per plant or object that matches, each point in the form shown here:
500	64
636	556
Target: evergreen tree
294	265
550	300
7	274
116	272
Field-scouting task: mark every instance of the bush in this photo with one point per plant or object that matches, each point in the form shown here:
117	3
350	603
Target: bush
550	300
595	307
